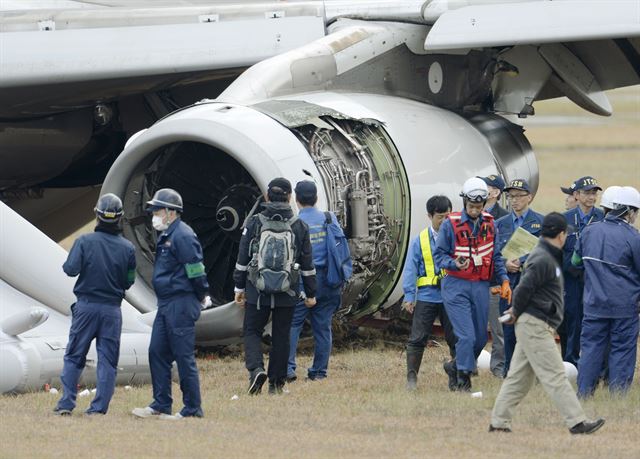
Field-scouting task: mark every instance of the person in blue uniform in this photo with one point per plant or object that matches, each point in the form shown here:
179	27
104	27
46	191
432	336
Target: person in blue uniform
521	216
609	250
421	280
495	185
328	297
180	284
105	264
569	201
467	249
585	191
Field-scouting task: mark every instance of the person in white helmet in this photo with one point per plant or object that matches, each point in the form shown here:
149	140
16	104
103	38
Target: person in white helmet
466	250
610	253
606	200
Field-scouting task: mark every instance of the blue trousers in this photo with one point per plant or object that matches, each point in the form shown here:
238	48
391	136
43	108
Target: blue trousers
328	301
104	323
509	334
173	339
617	336
572	323
467	305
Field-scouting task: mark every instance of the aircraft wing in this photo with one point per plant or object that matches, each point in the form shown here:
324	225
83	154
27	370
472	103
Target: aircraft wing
60	59
535	22
570	48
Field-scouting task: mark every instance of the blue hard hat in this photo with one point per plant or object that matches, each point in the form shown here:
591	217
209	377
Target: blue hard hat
109	208
165	198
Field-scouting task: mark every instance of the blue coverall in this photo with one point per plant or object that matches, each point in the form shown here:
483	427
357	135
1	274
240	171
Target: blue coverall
610	253
328	300
180	283
106	265
569	330
530	221
466	302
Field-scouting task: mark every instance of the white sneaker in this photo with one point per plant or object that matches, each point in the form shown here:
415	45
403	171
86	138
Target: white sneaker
169	417
147	412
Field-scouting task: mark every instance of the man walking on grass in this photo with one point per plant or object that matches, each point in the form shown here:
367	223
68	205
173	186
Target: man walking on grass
537	311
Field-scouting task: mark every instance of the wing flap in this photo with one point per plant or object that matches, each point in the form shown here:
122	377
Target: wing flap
533	23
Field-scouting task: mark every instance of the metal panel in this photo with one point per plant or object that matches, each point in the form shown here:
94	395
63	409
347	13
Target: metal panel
32	58
534	23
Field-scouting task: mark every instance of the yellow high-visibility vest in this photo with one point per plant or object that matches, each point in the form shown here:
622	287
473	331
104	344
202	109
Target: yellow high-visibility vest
431	278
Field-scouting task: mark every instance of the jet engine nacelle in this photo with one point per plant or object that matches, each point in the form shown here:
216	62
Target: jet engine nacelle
376	160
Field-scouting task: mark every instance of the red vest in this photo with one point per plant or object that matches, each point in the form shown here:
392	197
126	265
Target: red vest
479	248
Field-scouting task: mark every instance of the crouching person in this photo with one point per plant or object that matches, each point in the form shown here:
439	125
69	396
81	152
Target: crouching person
106	265
180	283
275	250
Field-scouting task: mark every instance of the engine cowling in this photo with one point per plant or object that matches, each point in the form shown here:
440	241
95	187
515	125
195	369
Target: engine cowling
376	159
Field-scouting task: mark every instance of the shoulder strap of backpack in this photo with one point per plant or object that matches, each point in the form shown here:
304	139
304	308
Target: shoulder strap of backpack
327	218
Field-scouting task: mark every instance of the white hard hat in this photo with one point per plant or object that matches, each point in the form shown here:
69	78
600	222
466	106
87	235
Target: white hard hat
608	196
475	190
627	196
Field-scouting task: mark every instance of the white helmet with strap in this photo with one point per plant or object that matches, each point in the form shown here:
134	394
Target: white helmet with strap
475	190
627	196
608	196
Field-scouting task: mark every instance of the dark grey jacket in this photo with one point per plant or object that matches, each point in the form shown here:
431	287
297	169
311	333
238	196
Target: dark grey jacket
303	252
539	292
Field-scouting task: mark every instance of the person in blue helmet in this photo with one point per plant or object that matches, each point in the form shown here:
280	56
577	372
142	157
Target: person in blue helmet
521	216
105	263
328	296
421	280
180	284
609	250
585	191
467	250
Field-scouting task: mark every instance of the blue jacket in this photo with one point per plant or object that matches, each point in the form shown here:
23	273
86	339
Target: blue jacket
531	222
446	245
577	222
179	270
610	253
315	220
106	265
414	269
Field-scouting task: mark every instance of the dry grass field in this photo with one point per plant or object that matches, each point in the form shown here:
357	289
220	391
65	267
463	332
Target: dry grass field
362	410
570	143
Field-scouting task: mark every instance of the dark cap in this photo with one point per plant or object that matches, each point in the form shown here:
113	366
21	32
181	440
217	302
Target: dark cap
494	180
553	224
306	189
279	185
566	190
585	183
518	184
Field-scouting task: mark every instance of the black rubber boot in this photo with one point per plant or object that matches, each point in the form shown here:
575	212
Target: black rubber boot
464	381
414	359
452	372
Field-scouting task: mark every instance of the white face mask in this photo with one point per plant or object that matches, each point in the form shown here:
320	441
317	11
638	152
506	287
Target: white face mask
158	223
